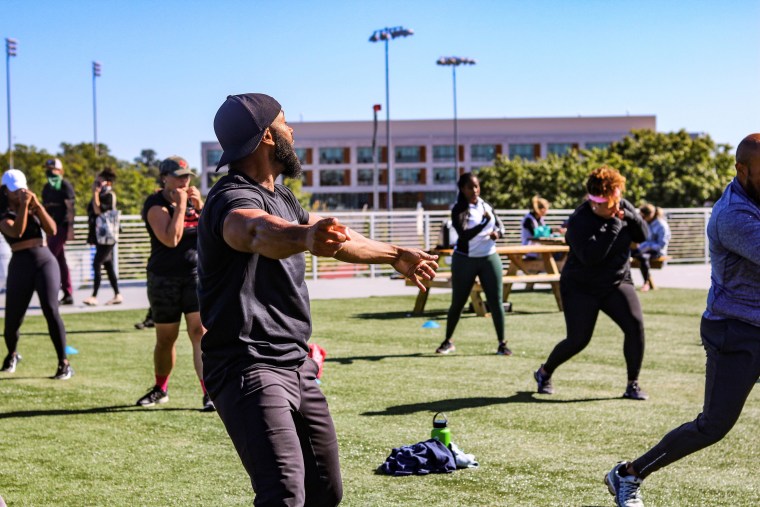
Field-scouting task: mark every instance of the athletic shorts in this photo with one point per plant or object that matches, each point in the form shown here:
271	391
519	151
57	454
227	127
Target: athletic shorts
171	296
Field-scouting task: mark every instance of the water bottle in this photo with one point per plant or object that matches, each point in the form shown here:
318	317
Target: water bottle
441	431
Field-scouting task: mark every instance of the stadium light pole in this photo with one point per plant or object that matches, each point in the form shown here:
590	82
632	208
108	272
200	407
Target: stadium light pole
454	62
375	176
386	34
10	50
95	75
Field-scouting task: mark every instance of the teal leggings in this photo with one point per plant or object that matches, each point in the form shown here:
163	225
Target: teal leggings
463	272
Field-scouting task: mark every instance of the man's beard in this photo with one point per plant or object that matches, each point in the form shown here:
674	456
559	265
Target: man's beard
286	155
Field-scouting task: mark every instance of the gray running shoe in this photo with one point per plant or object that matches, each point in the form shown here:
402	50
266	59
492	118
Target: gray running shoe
153	397
445	347
625	489
63	372
10	362
634	392
544	383
208	405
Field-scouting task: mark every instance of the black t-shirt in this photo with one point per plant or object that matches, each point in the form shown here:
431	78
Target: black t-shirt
181	260
106	204
600	248
255	309
33	228
55	201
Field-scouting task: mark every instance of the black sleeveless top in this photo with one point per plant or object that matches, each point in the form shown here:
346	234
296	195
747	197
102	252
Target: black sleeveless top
33	227
181	260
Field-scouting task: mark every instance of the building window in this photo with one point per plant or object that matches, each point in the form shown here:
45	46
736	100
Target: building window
524	151
341	201
444	153
332	178
304	155
409	154
440	200
331	156
407	176
213	157
444	175
364	177
364	155
559	148
483	152
600	146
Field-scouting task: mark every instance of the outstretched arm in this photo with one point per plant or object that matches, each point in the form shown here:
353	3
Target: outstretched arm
413	263
256	231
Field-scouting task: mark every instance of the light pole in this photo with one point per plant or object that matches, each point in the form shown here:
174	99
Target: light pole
454	62
375	182
95	75
386	34
10	50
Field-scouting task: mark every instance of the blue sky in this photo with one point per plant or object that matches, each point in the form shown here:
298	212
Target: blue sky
168	65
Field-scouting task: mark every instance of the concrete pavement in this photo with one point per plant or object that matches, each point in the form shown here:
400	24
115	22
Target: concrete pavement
683	276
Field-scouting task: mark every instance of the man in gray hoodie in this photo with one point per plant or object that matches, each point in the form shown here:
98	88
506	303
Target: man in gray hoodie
730	329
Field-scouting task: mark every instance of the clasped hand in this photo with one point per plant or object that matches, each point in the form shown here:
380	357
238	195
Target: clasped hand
326	237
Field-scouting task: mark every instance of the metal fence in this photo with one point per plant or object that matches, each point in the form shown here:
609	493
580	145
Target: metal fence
419	229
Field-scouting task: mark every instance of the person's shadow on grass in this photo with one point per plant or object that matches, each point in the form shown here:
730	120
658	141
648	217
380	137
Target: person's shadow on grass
22	414
453	404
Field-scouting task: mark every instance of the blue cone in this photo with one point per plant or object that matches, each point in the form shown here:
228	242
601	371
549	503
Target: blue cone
71	350
431	324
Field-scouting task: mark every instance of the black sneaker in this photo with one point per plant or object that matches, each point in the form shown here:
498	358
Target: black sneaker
635	392
68	299
544	383
154	396
208	405
10	362
445	347
145	324
503	350
63	372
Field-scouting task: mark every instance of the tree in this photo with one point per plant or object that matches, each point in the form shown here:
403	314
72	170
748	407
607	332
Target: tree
668	169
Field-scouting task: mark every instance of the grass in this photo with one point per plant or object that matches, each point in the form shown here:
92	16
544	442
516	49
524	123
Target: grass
81	442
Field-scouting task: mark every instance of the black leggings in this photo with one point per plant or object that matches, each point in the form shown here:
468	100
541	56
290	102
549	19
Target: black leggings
30	270
103	258
581	311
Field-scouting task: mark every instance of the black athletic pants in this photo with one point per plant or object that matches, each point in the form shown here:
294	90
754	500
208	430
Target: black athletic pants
732	369
280	424
581	311
103	259
30	270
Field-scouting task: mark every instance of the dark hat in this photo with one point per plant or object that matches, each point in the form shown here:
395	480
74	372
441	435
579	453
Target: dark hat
176	166
54	163
240	123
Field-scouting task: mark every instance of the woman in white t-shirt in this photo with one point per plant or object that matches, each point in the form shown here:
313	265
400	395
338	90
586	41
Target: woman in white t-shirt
475	255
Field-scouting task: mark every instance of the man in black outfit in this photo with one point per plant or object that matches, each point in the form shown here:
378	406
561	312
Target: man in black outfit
252	239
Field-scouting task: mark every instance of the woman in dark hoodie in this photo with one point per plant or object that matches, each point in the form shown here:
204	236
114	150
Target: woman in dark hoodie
597	277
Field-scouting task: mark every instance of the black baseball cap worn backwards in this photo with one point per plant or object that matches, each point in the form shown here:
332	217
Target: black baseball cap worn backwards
240	123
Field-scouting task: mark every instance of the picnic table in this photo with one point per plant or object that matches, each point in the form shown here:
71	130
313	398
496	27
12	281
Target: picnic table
520	271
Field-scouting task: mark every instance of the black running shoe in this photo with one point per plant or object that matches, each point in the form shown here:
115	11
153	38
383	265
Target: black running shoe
63	372
544	382
445	347
635	392
503	350
66	300
10	362
154	396
208	405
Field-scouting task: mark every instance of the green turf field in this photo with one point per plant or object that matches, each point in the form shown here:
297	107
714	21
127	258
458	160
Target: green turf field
82	443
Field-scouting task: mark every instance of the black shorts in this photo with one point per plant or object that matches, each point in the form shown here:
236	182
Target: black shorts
171	296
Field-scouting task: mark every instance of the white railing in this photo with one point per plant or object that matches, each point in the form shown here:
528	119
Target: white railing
419	229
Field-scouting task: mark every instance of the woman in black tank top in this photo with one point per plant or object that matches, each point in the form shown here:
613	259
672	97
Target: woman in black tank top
32	268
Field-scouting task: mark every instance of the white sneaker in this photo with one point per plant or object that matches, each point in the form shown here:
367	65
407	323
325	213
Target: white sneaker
91	301
117	300
625	489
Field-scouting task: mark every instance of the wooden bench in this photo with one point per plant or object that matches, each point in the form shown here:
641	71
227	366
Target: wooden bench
655	263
